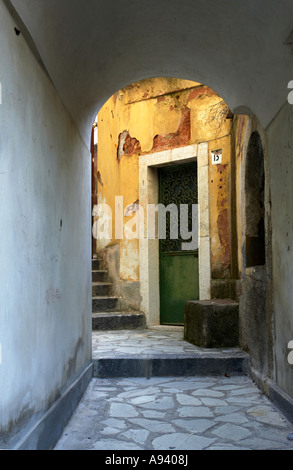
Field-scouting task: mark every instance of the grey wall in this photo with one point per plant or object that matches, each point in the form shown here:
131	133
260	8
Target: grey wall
45	240
280	146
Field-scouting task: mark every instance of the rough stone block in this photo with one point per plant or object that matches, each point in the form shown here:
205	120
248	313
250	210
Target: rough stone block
212	323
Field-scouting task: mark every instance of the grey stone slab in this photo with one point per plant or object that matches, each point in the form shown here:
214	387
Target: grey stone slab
138	381
210	401
153	425
227	387
103	389
131	350
71	444
227	447
87	412
231	432
188	400
266	414
153	414
137	435
122	410
195	412
243	400
181	441
115	423
203	385
220	410
276	435
138	392
115	444
257	443
99	395
194	425
182	385
110	431
237	418
202	392
172	349
171	390
126	386
143	399
245	391
163	403
254	426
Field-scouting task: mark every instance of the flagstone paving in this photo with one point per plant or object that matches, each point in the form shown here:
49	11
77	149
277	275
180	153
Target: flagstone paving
144	342
175	413
178	412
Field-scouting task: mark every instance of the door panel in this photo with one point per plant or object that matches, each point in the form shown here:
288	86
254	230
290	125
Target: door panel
178	268
179	274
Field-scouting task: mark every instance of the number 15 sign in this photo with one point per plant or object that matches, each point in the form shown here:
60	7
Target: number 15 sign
216	157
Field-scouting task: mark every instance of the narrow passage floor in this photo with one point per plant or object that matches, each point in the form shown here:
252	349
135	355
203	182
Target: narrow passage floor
213	412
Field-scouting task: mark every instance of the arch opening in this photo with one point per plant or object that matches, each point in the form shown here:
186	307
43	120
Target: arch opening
150	124
254	205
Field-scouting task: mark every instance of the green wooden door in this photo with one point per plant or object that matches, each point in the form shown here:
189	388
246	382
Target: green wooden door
178	267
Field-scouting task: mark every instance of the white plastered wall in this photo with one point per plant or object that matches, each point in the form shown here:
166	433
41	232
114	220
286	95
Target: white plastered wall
45	240
149	248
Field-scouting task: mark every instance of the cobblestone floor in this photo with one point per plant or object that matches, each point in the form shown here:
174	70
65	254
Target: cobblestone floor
162	340
179	413
171	413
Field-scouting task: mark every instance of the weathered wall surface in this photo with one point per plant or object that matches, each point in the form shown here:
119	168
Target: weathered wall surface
155	115
45	273
280	144
254	287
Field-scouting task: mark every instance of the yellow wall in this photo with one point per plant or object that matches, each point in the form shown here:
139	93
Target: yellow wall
159	114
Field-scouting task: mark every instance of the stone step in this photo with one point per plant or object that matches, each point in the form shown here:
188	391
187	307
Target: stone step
161	352
118	320
97	263
171	365
99	275
101	288
104	304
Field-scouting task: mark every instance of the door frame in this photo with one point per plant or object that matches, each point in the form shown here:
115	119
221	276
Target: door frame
149	248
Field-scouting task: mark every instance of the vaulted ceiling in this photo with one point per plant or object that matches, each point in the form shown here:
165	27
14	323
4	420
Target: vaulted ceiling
92	48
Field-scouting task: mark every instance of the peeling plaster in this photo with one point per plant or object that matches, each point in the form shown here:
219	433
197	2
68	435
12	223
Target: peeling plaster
127	145
177	139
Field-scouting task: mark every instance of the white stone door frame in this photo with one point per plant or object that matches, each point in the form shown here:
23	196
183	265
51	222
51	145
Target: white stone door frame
149	249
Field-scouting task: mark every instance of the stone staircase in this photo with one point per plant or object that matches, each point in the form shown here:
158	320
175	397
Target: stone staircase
106	312
151	351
